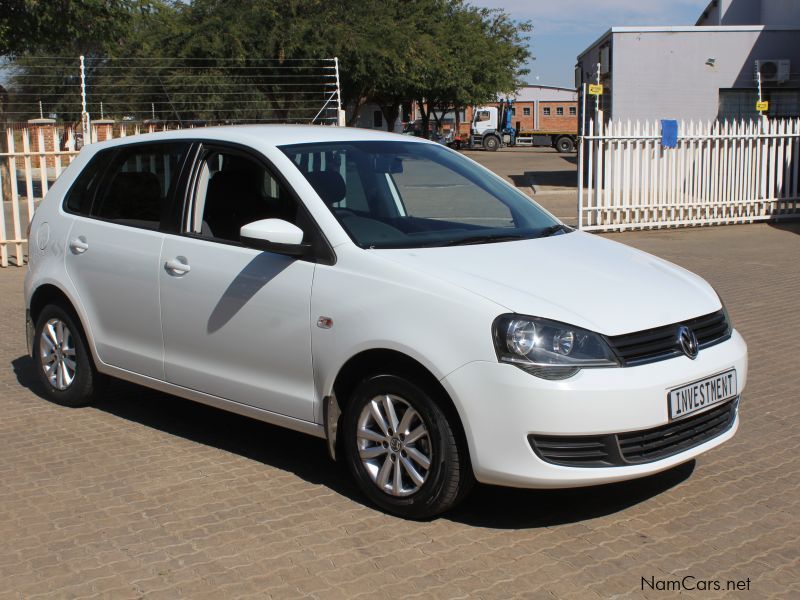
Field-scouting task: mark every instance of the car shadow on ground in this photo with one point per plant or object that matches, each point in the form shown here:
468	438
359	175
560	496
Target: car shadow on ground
792	226
486	506
509	508
209	426
546	179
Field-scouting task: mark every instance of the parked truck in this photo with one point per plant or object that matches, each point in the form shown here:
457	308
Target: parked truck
491	129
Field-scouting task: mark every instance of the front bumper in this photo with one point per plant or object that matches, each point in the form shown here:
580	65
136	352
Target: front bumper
501	406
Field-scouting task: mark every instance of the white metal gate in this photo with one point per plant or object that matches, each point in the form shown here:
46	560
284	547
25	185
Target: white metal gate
718	173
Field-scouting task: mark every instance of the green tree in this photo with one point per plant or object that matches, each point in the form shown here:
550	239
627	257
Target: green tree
482	53
63	26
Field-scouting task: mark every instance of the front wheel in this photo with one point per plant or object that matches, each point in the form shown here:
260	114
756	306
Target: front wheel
61	358
402	449
491	143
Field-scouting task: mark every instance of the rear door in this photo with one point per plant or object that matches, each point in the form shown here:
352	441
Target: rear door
113	253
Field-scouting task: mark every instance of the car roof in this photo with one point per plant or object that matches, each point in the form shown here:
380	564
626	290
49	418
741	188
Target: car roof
261	135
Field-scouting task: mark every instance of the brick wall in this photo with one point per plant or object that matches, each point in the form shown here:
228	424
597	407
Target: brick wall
520	120
556	122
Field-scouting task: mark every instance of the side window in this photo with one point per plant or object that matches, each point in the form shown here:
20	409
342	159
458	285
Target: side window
80	195
483	116
234	190
140	185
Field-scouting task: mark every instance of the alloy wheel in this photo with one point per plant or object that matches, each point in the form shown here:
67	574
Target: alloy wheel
394	445
57	351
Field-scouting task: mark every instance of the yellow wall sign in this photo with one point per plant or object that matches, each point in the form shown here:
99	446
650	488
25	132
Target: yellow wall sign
762	106
595	89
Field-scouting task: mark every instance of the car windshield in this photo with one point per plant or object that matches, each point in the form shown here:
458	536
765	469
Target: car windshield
399	194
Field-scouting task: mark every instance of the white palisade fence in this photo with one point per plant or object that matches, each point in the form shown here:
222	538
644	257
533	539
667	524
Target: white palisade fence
719	173
35	158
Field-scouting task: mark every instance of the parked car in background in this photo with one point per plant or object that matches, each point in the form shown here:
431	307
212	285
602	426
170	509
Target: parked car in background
384	293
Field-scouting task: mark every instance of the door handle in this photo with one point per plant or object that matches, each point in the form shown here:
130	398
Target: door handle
79	245
177	266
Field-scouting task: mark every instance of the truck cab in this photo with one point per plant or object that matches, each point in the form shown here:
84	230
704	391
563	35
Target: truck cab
486	130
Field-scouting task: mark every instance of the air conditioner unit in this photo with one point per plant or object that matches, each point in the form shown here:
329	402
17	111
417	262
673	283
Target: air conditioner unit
773	70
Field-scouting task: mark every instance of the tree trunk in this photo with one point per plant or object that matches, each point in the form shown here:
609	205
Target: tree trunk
390	112
351	122
426	119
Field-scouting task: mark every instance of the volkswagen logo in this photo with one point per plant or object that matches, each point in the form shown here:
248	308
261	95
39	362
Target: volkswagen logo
687	341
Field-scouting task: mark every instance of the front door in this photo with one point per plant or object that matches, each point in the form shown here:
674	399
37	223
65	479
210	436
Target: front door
236	320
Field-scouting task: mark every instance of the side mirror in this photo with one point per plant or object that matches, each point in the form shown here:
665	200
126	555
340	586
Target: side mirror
274	235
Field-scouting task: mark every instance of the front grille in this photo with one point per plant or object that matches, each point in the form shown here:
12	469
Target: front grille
661	343
635	447
675	437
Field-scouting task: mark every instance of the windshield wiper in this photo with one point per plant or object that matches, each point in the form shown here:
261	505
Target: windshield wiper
553	229
482	239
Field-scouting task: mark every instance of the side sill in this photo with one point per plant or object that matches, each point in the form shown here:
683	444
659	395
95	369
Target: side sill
228	405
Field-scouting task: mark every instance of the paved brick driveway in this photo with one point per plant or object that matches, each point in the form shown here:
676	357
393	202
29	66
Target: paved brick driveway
151	496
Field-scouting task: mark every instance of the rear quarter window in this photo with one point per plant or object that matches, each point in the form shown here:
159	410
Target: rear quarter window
80	196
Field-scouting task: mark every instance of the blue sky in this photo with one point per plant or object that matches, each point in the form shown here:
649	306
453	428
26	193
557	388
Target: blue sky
562	29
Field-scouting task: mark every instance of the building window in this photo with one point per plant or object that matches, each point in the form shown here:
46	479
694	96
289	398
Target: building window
526	111
560	111
573	111
546	111
514	110
377	119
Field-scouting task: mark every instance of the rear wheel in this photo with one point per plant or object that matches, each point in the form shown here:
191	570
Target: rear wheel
61	357
491	142
565	144
402	449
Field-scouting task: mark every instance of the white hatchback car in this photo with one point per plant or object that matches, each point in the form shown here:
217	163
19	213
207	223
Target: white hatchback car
430	321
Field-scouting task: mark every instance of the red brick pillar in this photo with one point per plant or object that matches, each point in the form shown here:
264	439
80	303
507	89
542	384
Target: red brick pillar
104	129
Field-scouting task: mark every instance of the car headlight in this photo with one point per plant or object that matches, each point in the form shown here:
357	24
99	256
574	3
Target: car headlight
547	348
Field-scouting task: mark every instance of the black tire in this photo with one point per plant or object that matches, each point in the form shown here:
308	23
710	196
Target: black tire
565	144
491	143
449	476
80	391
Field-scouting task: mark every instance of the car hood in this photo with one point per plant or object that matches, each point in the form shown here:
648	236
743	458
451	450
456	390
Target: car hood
575	278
